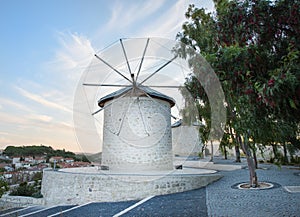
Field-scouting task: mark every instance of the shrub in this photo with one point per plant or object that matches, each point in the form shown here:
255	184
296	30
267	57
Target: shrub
3	187
25	189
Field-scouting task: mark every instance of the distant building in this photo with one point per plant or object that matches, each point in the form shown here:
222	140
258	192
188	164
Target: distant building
56	159
69	160
6	166
7	175
81	164
73	164
39	160
9	168
18	165
29	159
16	159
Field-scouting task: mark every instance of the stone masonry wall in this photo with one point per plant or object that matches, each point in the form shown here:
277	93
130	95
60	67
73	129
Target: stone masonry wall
74	188
137	135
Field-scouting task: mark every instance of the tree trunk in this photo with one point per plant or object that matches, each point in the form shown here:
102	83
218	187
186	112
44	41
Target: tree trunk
286	160
236	147
255	158
237	154
225	152
212	151
250	161
203	150
275	151
253	148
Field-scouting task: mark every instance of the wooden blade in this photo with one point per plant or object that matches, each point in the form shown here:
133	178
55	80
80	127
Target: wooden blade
141	63
105	85
163	86
160	68
110	66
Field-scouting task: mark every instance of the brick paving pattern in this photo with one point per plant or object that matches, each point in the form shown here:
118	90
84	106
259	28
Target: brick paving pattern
222	200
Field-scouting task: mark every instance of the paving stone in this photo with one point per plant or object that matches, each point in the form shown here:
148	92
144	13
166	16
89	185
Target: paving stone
222	200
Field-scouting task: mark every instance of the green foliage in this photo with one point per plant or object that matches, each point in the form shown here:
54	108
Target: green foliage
25	189
3	187
37	176
295	160
28	150
37	151
5	161
81	157
254	48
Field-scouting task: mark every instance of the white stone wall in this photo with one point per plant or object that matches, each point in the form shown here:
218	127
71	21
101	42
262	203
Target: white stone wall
78	188
137	135
186	141
20	201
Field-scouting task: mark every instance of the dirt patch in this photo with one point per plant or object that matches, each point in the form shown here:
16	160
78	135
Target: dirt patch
261	185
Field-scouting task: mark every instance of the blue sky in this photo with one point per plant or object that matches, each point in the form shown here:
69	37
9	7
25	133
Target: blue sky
45	46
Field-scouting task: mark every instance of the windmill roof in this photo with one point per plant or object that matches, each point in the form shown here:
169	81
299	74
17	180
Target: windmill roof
140	91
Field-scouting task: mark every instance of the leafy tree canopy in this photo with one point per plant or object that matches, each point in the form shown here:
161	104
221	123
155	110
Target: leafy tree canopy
254	48
41	150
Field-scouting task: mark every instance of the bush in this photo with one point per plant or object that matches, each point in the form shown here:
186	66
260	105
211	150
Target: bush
295	160
25	189
37	176
3	187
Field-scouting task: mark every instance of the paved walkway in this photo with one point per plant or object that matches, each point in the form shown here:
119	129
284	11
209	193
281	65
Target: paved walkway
223	200
218	199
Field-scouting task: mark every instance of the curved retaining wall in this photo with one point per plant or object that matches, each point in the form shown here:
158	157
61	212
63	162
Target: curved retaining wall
61	187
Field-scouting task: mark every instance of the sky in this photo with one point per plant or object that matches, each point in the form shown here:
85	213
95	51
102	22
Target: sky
45	47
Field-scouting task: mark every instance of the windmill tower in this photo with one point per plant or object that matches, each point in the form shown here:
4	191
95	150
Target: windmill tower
137	132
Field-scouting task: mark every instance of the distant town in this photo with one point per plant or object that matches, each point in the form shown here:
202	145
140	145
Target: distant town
26	163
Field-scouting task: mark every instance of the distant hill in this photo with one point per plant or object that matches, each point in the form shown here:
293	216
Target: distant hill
28	150
95	157
34	150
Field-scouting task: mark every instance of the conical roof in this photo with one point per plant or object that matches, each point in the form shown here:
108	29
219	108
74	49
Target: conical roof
136	91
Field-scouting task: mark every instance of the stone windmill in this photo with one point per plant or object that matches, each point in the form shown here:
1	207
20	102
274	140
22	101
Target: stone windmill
137	133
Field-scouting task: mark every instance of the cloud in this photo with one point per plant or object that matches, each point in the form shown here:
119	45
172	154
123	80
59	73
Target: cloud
11	119
4	133
72	56
35	128
169	23
124	14
13	105
126	19
43	118
75	51
5	140
41	100
57	134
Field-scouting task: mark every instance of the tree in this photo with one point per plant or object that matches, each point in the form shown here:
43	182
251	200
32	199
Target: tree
25	189
27	150
3	187
34	150
254	48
